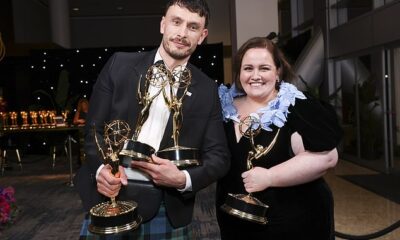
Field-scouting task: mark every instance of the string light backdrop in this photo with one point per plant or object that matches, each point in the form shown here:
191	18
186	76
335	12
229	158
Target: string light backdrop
58	78
75	71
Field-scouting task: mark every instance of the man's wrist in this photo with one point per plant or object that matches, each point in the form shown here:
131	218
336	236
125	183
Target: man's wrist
182	180
98	170
188	182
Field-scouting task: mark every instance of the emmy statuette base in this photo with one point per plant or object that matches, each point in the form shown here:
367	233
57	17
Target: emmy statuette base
137	150
107	219
238	205
114	230
182	157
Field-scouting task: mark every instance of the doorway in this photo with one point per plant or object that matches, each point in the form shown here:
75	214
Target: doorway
370	101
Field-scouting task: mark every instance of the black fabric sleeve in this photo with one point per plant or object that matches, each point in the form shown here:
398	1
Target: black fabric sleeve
317	123
99	113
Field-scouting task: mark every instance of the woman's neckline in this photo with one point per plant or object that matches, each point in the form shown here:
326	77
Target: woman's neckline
273	113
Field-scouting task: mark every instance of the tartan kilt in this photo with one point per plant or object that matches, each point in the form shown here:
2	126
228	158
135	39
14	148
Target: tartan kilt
157	228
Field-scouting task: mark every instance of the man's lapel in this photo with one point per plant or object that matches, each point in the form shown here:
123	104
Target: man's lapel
140	69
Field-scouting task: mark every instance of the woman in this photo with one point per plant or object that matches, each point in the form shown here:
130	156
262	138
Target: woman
289	177
81	112
80	120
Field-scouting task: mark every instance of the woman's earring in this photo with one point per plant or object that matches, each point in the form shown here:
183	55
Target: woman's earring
277	83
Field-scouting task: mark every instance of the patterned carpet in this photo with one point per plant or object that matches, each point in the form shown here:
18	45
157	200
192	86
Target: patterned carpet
51	209
204	220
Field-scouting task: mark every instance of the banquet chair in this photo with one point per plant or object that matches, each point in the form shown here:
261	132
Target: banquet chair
62	143
54	152
6	146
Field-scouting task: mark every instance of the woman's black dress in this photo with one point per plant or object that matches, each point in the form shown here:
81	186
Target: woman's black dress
299	212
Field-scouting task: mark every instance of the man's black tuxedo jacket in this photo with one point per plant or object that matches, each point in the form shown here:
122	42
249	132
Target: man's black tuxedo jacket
114	97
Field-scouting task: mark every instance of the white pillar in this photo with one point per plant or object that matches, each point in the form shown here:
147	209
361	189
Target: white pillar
253	18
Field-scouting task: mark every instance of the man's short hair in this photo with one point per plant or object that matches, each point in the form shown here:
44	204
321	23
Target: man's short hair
196	6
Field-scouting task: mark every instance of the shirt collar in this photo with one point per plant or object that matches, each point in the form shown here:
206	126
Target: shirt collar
158	58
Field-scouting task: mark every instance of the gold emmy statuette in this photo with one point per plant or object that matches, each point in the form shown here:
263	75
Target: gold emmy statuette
65	115
181	156
44	114
114	216
245	206
52	118
34	120
4	120
41	119
156	78
14	120
25	123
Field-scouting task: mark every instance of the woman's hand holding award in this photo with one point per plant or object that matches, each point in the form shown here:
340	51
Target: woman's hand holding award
245	206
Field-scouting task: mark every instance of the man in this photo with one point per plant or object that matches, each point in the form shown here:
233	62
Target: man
163	192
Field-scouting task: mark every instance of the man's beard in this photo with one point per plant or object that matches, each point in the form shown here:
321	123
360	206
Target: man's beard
177	54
